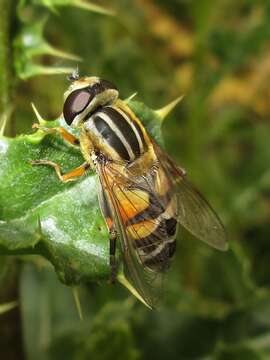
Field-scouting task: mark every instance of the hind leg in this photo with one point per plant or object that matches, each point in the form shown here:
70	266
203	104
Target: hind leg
106	211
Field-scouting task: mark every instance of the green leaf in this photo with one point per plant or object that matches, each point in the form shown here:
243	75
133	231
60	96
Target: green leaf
41	215
47	309
117	331
109	325
30	44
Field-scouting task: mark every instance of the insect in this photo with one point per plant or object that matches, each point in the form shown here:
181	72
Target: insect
143	194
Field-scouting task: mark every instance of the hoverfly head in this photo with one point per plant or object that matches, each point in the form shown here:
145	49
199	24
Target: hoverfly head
84	96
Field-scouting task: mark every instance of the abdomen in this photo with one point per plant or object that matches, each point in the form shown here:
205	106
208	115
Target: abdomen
153	231
148	211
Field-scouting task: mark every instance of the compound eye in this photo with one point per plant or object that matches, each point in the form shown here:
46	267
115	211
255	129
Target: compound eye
75	103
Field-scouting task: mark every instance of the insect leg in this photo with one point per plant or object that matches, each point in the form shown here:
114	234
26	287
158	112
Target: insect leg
61	131
107	213
113	266
70	176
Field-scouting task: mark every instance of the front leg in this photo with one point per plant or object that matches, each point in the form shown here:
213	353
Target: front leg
59	130
69	176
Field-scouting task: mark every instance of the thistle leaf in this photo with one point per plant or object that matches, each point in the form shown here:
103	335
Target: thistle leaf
29	45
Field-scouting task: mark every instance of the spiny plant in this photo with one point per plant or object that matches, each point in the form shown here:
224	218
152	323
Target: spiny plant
23	46
61	222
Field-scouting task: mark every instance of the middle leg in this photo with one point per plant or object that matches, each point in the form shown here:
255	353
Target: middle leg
69	176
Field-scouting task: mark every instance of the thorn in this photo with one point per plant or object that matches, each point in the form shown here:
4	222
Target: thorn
62	54
130	98
4	120
3	123
39	226
38	116
92	7
36	69
8	306
163	112
76	297
53	9
123	280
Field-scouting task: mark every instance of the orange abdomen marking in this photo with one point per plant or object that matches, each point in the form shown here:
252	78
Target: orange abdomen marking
143	229
132	202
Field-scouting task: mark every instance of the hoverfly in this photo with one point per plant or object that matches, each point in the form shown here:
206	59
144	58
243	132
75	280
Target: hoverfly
143	195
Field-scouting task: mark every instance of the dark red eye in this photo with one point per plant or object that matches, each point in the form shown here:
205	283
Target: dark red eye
75	103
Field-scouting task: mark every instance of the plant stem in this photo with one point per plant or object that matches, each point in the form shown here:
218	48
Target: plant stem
7	11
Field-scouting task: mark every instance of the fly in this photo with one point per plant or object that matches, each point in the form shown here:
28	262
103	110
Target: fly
143	194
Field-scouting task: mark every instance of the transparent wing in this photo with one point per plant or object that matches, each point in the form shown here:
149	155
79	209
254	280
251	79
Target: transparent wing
124	201
193	211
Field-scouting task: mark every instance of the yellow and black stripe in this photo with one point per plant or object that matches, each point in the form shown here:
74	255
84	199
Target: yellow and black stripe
153	231
117	133
150	222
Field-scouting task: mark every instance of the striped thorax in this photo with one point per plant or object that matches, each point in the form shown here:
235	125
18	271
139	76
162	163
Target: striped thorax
116	134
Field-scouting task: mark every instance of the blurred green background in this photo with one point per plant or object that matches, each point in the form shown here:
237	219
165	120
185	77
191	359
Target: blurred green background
216	305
